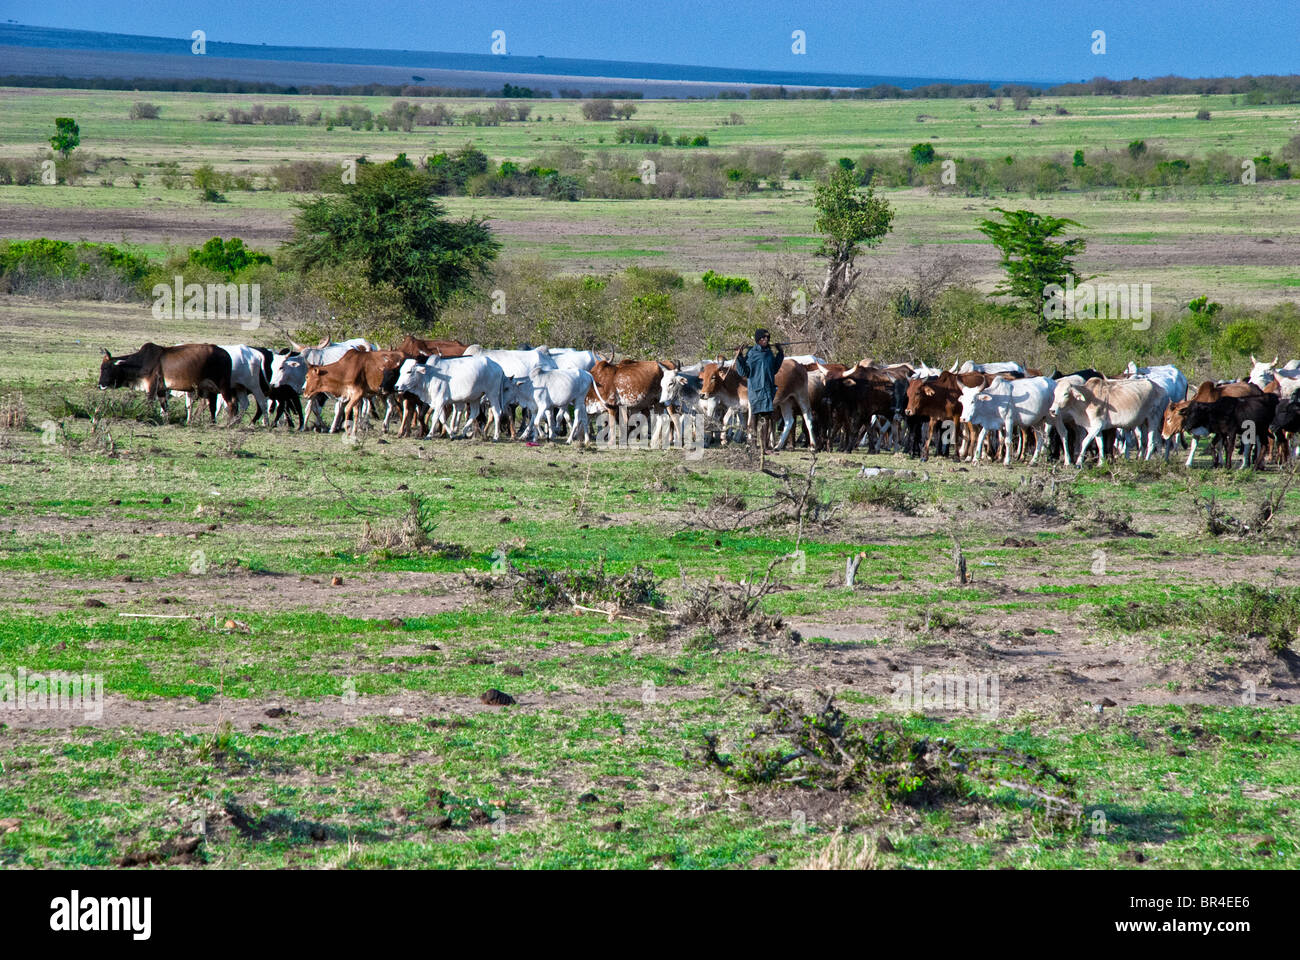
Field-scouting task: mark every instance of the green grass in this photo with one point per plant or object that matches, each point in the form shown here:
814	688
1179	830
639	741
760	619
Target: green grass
696	235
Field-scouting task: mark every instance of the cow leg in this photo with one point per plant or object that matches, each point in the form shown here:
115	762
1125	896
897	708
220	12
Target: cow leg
806	411
1089	437
1101	449
339	407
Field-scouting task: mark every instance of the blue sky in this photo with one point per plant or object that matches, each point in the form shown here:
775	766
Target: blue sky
1046	40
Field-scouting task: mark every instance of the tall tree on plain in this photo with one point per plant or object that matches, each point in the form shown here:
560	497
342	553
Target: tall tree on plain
67	136
849	220
1031	257
392	226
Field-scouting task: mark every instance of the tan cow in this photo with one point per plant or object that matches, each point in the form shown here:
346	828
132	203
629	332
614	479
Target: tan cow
1099	405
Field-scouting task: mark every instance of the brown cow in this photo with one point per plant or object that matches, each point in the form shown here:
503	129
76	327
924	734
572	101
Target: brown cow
628	389
721	385
938	399
200	367
413	348
358	375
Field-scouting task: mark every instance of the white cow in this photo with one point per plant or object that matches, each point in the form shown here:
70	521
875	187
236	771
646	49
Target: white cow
546	392
458	381
247	378
1261	374
1004	366
679	396
1288	382
1006	405
1104	404
567	358
516	363
1169	377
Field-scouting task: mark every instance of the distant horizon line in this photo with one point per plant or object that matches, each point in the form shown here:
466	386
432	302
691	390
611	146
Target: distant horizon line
849	80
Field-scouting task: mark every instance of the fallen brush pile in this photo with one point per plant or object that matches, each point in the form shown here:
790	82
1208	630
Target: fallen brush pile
826	749
724	608
540	589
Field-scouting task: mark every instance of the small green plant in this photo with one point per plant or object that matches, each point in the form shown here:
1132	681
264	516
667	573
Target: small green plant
886	492
227	257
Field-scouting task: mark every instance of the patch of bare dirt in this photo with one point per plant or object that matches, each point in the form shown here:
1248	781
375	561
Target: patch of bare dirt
1036	656
365	595
191	225
281	715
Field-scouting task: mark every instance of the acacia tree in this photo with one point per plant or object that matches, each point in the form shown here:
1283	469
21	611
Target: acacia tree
392	226
1032	259
849	220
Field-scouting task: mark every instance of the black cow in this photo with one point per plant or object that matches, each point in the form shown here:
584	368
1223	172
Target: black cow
1229	417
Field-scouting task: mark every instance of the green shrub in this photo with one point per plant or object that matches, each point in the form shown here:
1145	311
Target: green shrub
725	285
227	257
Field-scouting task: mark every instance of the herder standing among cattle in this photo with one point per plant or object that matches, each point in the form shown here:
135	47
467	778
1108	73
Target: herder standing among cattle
759	367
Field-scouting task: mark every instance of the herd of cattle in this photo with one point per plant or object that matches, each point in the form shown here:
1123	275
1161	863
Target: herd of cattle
454	388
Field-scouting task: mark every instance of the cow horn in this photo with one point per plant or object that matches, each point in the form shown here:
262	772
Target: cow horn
1275	360
297	347
325	342
1253	360
106	353
955	364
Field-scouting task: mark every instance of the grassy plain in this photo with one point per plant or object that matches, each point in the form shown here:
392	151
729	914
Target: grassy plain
1234	243
258	714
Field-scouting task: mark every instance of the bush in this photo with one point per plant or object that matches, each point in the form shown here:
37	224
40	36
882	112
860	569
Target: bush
143	110
302	176
1202	114
227	257
725	285
922	154
57	268
19	172
598	109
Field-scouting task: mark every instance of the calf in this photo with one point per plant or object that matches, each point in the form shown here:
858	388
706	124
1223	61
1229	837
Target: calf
545	392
